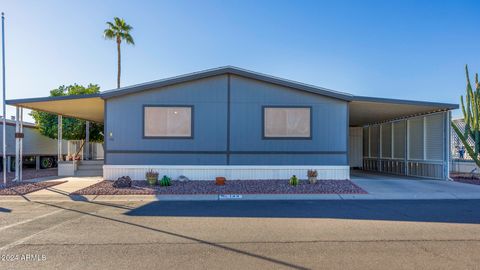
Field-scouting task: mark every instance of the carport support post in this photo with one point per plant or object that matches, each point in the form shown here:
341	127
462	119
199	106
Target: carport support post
17	144
448	134
407	143
87	140
20	158
59	138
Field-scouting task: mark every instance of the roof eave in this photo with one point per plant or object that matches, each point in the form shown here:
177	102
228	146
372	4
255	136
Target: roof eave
448	106
14	102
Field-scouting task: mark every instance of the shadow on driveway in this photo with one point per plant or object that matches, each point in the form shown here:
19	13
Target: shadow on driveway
5	210
449	211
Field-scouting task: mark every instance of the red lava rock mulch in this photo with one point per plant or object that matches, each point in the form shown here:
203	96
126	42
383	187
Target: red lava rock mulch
231	187
32	173
22	188
466	178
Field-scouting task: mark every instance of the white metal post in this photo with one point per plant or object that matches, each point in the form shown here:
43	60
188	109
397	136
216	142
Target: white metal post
20	163
4	140
379	163
392	139
424	122
407	145
59	138
87	140
17	144
448	120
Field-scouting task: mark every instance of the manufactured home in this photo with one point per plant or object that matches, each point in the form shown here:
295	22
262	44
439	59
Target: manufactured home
247	125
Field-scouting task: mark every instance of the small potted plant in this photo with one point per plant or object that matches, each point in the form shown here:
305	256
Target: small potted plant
293	180
152	177
312	176
220	181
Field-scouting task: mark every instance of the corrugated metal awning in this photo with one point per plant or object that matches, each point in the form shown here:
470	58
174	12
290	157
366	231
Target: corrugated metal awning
369	110
85	107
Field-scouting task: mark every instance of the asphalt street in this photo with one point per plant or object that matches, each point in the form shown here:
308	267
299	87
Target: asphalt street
363	234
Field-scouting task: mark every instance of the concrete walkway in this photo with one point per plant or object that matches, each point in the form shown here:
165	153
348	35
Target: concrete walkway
379	187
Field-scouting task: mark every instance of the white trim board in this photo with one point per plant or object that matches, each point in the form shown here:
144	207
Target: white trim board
231	172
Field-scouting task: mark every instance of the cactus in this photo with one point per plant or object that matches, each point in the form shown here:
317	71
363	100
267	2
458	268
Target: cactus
471	114
293	181
165	181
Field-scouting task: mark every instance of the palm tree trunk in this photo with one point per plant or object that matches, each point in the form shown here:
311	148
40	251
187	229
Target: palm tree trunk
119	61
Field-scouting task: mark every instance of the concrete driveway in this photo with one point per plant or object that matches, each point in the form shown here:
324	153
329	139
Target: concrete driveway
381	186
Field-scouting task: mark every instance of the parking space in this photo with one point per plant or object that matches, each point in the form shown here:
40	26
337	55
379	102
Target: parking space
396	187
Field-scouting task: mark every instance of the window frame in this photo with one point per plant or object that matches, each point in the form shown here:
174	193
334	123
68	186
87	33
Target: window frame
286	107
192	113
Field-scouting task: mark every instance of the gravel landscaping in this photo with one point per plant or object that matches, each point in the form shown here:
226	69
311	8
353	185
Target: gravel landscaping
22	188
231	187
466	178
32	173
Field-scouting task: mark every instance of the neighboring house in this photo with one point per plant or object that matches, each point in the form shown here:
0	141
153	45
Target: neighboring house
246	125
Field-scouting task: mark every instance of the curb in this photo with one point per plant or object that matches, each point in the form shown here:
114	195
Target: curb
240	197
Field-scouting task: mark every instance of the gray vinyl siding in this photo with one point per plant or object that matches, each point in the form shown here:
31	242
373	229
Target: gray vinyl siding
125	121
387	140
166	159
329	116
283	159
211	144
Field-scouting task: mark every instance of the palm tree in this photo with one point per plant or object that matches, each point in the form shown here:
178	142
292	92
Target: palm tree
119	30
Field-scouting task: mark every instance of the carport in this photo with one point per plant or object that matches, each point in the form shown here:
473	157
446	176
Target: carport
400	137
84	107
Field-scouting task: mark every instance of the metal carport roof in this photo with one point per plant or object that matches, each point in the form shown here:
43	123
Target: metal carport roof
86	107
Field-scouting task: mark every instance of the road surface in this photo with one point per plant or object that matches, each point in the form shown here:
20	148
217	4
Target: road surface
436	234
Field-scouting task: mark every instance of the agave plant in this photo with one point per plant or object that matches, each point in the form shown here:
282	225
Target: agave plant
471	115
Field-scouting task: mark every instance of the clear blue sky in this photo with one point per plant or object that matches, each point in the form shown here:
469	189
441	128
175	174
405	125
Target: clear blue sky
394	49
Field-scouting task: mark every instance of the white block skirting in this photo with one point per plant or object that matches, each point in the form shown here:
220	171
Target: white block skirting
231	172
